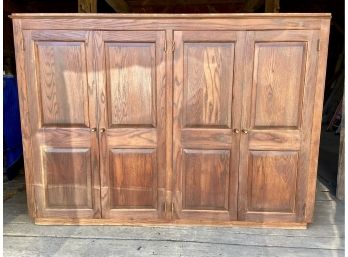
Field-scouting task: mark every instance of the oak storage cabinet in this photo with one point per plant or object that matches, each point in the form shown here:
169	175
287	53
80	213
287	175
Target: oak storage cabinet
184	119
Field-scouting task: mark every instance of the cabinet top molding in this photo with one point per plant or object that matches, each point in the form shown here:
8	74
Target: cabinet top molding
167	16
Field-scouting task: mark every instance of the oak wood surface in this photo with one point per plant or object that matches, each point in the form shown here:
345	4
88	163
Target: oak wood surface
66	181
171	118
132	113
272	95
203	117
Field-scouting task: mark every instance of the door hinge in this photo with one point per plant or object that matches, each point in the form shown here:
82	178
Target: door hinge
318	45
173	46
172	210
165	46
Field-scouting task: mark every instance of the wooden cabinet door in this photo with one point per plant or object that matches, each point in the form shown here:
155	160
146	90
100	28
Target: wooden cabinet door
132	112
206	110
278	97
62	102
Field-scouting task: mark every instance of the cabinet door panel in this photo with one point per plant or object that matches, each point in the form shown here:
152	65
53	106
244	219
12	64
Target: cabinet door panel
63	110
132	78
131	82
208	79
278	98
205	109
277	64
133	178
68	178
61	68
206	179
271	172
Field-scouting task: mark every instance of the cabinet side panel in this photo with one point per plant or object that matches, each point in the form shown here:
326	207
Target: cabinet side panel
317	116
25	123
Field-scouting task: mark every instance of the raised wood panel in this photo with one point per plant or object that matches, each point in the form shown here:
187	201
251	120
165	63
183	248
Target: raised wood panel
131	83
133	178
272	181
68	178
208	76
62	79
205	180
278	84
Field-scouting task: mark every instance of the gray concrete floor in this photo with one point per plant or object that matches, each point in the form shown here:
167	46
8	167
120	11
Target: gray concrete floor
325	237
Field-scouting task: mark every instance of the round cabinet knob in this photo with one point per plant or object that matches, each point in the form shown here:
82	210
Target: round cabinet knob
93	129
236	131
245	131
102	130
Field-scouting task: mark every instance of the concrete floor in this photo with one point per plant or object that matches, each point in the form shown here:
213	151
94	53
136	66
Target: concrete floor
325	237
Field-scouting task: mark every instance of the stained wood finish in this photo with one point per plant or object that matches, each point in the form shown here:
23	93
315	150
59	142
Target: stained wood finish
132	112
65	166
62	82
280	81
269	172
205	153
171	118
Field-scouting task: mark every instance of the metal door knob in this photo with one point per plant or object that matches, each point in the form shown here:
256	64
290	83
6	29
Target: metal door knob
102	130
236	131
93	129
245	131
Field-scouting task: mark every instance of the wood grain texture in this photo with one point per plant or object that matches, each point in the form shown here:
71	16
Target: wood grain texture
177	21
313	151
24	114
205	182
204	86
272	181
280	134
274	139
131	83
132	110
61	69
133	178
56	194
207	90
208	118
278	78
68	178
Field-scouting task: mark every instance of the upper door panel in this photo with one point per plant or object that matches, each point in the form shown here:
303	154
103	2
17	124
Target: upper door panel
131	80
